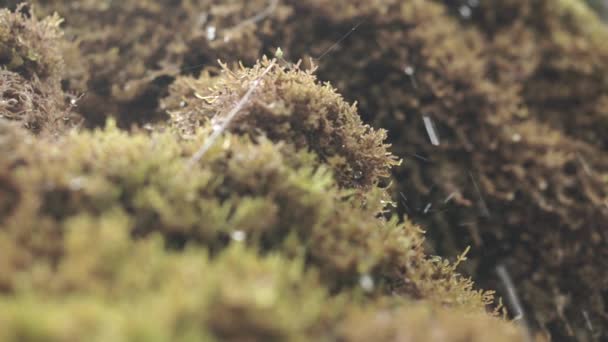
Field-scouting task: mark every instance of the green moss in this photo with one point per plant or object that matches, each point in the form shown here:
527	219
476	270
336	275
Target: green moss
395	321
267	193
110	287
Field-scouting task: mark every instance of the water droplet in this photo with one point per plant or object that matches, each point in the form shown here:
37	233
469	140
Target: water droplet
217	127
183	104
238	235
77	183
358	175
473	3
516	137
449	198
73	102
430	130
427	208
409	70
210	32
367	282
202	18
465	11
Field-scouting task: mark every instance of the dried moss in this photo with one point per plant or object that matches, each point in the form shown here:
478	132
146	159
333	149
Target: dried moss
31	71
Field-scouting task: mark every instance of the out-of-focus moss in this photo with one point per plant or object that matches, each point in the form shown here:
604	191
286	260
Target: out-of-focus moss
31	71
402	321
110	287
563	66
290	106
269	195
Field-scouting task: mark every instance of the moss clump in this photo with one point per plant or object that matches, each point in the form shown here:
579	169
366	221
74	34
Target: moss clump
288	105
516	173
108	286
269	193
31	71
88	204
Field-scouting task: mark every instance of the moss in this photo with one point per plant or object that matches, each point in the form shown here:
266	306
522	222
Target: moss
127	290
132	49
122	285
516	164
516	91
290	106
94	209
31	71
394	321
563	69
275	201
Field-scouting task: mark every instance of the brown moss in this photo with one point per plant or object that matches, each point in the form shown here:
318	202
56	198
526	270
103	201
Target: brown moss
516	171
289	105
516	91
390	321
132	49
32	71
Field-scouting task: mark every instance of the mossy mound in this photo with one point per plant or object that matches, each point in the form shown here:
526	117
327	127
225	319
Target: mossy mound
144	292
498	107
89	211
31	71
